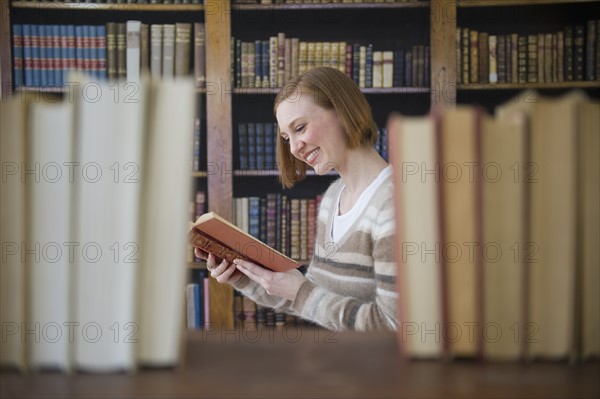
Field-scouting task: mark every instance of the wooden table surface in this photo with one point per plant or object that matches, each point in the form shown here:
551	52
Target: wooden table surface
313	364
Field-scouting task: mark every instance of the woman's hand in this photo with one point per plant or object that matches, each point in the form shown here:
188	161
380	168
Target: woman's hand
282	284
224	272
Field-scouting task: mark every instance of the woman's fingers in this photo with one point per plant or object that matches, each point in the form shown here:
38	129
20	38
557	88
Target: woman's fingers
226	274
220	268
210	261
223	272
282	284
200	253
255	272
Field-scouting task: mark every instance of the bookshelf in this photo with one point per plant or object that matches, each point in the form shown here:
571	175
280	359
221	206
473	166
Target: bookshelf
387	25
357	23
537	19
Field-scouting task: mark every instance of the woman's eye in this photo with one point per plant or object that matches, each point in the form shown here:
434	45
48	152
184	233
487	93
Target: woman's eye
299	128
285	139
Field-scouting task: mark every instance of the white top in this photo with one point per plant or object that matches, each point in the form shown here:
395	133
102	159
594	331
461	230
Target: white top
342	223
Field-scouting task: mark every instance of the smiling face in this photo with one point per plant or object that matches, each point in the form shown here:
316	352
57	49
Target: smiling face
314	134
324	112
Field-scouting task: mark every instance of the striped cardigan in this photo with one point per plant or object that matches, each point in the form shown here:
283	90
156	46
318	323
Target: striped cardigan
350	285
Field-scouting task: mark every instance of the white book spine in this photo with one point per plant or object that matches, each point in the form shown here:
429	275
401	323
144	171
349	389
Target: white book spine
156	38
165	222
109	149
12	232
168	51
421	252
50	140
133	50
377	69
388	69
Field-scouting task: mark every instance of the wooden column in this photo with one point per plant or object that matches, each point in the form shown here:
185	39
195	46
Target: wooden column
443	53
218	106
219	140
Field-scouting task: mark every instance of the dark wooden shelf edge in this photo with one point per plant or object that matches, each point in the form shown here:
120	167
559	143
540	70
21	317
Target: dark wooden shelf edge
328	6
255	173
282	7
111	7
365	90
65	89
512	3
528	86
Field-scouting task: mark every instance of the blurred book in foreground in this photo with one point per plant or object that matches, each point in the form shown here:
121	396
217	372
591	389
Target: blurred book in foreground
497	230
93	216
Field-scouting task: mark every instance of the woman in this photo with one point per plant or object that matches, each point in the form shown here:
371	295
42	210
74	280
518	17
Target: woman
325	122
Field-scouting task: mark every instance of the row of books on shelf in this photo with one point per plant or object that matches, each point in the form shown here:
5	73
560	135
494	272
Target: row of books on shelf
257	146
273	62
570	54
248	315
45	54
197	298
93	209
257	143
283	223
497	217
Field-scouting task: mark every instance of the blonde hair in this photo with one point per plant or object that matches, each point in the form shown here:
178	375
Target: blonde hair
333	90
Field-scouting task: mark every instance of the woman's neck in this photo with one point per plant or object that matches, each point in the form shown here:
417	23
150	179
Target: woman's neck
361	167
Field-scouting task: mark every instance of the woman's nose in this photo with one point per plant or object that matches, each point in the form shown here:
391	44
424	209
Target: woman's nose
296	146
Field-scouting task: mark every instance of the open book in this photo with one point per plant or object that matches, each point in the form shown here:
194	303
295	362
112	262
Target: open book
215	235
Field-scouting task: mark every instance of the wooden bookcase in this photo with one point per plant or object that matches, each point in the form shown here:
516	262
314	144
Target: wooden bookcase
432	23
